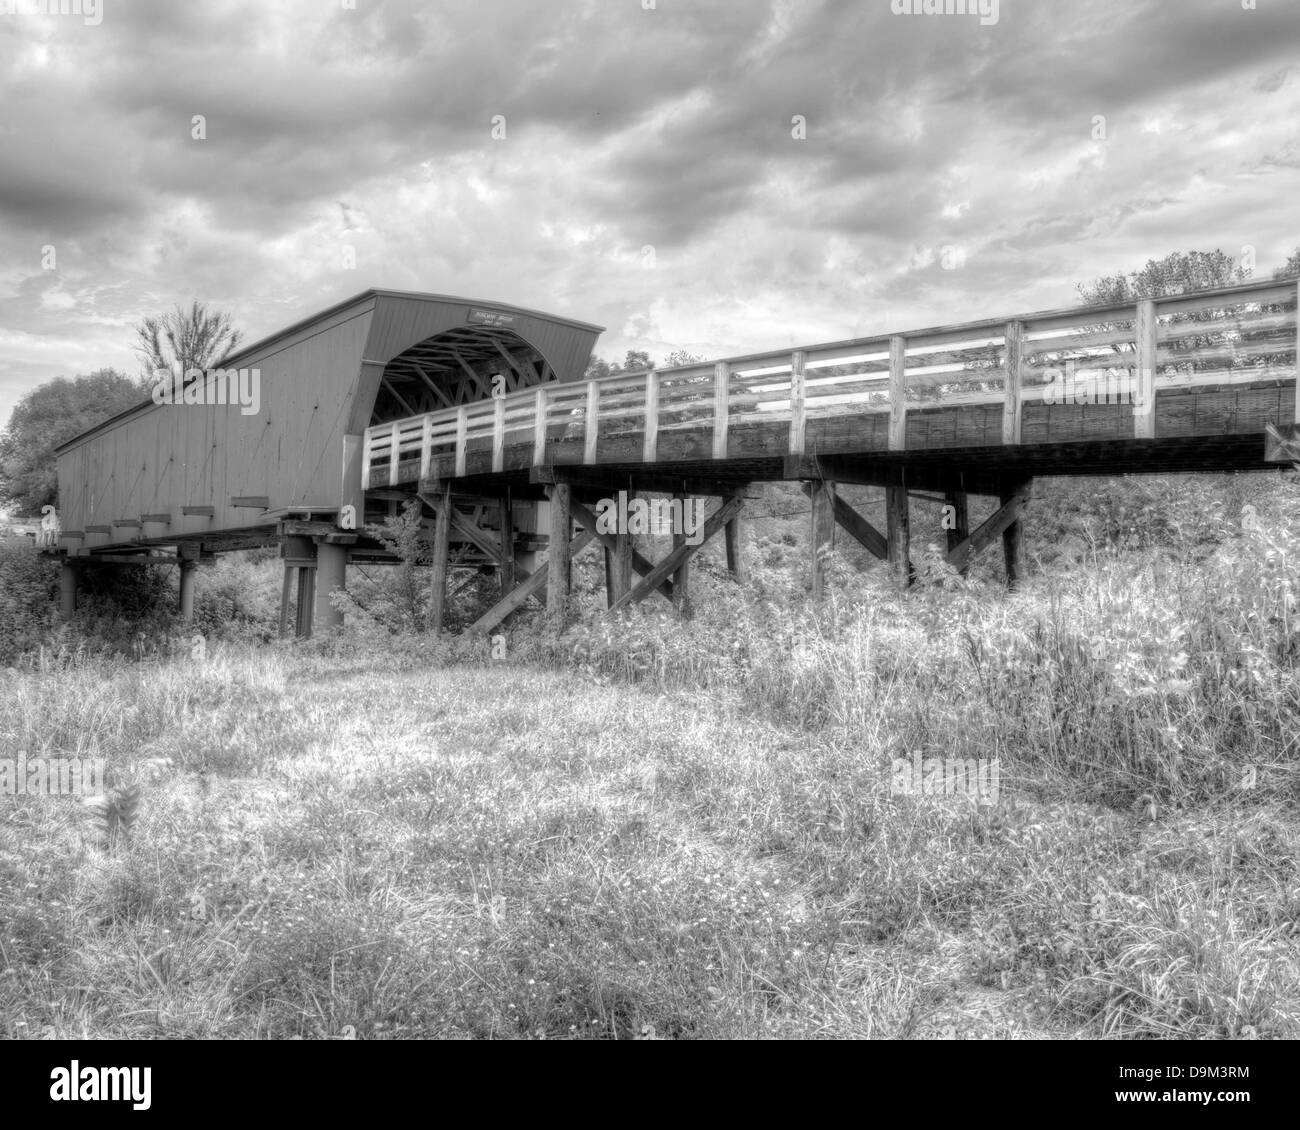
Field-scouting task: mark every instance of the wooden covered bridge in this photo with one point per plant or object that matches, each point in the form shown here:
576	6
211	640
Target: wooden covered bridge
481	411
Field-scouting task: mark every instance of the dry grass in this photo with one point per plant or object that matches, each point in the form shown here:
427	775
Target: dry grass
685	831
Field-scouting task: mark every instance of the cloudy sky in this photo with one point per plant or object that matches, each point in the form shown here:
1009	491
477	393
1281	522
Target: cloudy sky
651	177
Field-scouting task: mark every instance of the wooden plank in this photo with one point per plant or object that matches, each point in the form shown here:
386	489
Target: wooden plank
1144	394
650	444
798	398
441	553
462	431
721	408
533	585
897	393
539	426
160	519
990	529
669	564
1014	378
251	502
558	558
591	432
823	532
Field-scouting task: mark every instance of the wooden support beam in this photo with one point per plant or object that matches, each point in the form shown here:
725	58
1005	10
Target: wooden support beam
558	555
587	520
160	519
823	532
798	402
682	577
441	551
286	591
386	383
1011	536
733	533
991	528
1144	394
431	385
956	498
196	512
853	523
897	393
899	533
532	586
508	568
462	434
669	564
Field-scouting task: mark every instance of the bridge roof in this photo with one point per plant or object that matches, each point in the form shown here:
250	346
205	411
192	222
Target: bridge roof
394	332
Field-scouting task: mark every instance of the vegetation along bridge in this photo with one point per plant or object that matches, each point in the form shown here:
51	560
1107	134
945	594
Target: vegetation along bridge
482	412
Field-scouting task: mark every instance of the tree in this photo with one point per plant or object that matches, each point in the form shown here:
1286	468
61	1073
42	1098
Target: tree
636	361
48	416
182	340
1292	267
680	357
1177	273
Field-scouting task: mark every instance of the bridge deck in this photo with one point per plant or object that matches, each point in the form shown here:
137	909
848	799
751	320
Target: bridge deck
1180	383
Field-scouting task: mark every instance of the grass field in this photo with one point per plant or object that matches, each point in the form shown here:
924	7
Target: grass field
684	830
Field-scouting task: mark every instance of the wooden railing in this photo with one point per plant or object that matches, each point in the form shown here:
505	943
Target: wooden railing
1241	335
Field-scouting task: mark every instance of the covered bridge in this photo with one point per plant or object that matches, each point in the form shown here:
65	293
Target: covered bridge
181	481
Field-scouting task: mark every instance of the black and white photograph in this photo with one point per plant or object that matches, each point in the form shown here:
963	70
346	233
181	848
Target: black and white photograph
650	520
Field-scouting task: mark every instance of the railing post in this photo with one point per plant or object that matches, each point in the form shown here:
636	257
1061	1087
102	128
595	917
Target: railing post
394	453
426	446
651	446
721	408
1011	411
365	459
539	426
1144	393
798	402
897	393
462	439
592	430
499	434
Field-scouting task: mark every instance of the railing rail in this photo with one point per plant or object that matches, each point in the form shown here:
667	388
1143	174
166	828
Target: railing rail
1245	334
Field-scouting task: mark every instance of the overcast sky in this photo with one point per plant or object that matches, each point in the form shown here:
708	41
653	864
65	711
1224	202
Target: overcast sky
649	179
